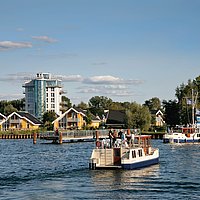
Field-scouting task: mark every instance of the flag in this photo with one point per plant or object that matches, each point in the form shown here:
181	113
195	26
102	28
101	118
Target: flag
189	102
197	111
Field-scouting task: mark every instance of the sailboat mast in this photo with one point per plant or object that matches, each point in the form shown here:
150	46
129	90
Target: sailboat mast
194	101
193	108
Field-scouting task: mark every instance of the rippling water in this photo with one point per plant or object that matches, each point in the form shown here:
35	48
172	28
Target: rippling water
47	171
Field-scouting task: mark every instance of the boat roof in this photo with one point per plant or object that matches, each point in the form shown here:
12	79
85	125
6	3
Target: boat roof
143	136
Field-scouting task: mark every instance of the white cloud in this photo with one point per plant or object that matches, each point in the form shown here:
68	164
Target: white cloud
111	90
101	80
70	78
44	38
111	80
6	45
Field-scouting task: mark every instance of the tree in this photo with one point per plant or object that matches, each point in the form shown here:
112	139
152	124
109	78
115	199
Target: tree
117	106
153	103
98	104
138	116
172	115
183	94
19	104
65	104
11	106
9	109
82	105
48	118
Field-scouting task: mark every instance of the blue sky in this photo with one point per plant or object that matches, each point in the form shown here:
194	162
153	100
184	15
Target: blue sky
127	50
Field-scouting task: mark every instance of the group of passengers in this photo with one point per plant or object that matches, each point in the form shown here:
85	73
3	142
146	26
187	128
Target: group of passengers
123	136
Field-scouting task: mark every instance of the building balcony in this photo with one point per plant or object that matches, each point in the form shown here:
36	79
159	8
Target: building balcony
14	121
72	120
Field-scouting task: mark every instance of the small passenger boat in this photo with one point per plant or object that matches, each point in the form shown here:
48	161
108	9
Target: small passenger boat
182	135
137	154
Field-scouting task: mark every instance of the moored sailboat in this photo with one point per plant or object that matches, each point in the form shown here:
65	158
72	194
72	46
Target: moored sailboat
188	134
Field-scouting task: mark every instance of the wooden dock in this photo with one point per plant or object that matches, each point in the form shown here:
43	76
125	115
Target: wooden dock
74	136
70	136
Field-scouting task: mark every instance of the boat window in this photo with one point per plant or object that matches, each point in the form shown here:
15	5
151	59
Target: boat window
133	154
140	152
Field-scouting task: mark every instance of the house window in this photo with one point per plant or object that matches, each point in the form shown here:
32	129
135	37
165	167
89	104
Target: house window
52	89
52	105
52	94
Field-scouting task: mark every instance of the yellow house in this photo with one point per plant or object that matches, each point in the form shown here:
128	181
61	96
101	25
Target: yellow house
158	116
95	122
2	122
73	118
22	121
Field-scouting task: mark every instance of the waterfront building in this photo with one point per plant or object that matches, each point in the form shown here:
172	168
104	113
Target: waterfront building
21	121
43	94
158	118
75	118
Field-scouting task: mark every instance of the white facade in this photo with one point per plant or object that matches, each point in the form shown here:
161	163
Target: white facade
43	94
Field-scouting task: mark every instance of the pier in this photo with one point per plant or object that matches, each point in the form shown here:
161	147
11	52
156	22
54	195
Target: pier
17	136
70	136
74	136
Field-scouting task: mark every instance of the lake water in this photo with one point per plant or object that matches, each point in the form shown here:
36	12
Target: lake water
48	171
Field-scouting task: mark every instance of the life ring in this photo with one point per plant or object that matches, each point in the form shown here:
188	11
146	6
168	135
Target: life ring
98	143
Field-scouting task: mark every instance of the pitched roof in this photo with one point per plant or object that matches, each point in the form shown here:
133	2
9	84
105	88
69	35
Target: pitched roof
70	109
30	117
27	116
2	116
156	112
116	117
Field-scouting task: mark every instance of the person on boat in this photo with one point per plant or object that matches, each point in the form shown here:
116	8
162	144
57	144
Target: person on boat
120	134
128	137
110	134
115	135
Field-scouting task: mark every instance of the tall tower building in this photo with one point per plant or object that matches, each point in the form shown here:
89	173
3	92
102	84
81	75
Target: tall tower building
43	94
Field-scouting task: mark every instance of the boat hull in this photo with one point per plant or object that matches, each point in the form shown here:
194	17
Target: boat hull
141	164
181	140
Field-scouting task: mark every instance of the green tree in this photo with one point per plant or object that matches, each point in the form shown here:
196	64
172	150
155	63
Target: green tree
172	116
138	116
65	104
82	105
9	109
98	104
153	103
183	94
19	104
48	118
117	106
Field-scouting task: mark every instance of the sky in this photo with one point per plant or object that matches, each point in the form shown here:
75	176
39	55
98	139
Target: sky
126	50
